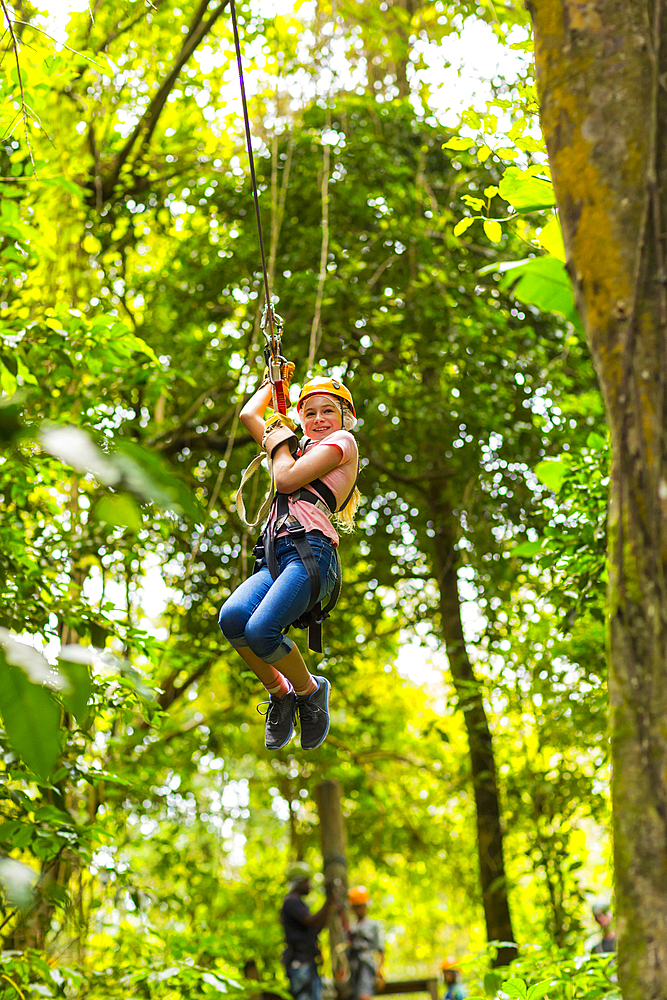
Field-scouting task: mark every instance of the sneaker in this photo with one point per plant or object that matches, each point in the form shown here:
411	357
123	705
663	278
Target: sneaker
279	720
313	712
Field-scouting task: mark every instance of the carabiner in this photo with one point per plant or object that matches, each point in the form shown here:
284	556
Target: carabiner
274	323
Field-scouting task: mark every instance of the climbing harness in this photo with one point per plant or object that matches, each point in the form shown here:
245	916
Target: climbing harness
265	548
272	327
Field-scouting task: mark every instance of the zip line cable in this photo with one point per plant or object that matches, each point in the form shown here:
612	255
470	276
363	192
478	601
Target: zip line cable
272	353
253	178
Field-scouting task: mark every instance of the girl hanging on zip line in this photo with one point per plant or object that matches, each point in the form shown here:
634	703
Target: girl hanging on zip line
297	562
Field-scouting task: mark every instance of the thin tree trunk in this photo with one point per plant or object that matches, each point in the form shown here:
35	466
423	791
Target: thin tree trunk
601	78
482	763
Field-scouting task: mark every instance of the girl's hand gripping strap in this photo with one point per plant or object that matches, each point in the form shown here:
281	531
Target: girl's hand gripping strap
279	430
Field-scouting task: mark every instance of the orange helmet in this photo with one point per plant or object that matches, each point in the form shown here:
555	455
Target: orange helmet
448	964
328	387
357	895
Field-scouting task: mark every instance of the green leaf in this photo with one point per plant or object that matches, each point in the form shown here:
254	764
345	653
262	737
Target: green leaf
483	153
149	475
65	184
542	282
18	882
515	988
120	510
551	238
8	831
131	468
476	204
530	145
462	225
539	990
492	982
215	981
10	362
528	548
493	230
526	192
76	700
459	142
31	719
595	442
551	472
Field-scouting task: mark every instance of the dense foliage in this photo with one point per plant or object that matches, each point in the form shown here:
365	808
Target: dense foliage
144	829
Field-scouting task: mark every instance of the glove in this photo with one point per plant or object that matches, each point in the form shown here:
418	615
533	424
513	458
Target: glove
276	434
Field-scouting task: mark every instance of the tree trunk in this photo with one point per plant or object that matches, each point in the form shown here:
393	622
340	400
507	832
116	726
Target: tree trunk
482	763
601	80
334	867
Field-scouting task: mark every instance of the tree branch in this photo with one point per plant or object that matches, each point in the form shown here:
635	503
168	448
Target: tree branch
146	126
203	441
401	477
170	693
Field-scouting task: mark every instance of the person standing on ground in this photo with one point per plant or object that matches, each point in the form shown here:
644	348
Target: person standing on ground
452	977
301	927
366	941
604	918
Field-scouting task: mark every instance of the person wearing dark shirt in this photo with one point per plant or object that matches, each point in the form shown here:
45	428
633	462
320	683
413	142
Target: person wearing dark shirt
302	928
604	918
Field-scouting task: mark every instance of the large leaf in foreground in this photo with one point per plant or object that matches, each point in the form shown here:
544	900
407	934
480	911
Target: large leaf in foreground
31	718
542	282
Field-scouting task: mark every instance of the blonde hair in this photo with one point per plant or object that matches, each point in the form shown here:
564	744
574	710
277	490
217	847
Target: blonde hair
349	420
344	518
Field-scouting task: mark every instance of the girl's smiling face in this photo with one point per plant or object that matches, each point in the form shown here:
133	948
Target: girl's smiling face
321	416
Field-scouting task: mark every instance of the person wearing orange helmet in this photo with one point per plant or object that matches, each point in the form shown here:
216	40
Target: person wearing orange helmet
452	976
297	567
365	942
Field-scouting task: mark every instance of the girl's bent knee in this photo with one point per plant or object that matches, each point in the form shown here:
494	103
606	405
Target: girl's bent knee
265	643
232	622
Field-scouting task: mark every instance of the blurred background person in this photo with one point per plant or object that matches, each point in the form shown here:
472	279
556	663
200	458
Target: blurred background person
365	951
451	974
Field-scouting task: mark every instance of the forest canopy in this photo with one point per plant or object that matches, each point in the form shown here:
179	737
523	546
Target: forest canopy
145	829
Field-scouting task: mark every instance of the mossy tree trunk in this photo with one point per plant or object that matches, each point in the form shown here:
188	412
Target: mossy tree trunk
470	696
603	101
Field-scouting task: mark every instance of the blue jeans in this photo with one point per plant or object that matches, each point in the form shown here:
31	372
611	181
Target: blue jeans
258	611
304	979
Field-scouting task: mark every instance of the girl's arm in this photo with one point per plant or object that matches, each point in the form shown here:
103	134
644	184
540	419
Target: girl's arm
289	474
252	414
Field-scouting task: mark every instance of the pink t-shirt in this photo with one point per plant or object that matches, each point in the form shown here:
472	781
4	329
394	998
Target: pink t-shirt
340	481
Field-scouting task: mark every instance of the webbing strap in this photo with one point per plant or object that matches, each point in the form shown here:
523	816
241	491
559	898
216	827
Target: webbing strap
297	533
305	494
317	614
326	493
268	500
